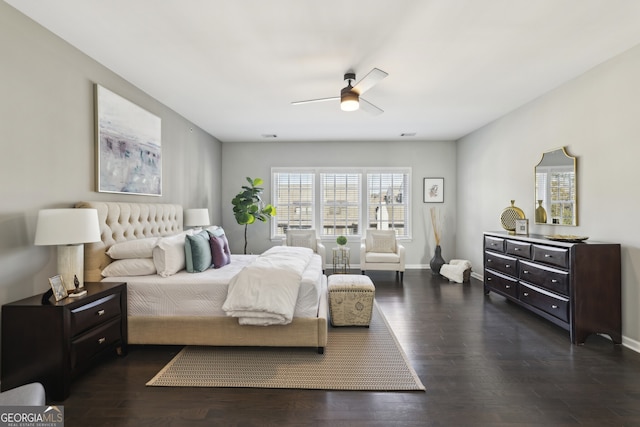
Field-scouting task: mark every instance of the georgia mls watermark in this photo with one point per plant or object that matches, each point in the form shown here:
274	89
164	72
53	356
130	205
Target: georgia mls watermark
32	416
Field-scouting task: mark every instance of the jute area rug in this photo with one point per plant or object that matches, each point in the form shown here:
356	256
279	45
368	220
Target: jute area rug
356	358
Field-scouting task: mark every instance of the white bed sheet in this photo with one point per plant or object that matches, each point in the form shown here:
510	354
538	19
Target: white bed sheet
202	294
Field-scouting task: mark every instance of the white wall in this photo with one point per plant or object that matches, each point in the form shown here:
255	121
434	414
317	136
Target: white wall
597	117
47	145
427	159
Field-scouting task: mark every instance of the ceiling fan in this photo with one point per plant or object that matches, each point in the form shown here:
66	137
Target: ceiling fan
350	99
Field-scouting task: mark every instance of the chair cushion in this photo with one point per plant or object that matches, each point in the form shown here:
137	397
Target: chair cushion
302	238
381	241
382	257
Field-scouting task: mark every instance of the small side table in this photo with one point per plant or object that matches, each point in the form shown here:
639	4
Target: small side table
341	259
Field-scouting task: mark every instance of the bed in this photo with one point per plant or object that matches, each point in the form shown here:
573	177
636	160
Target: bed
184	308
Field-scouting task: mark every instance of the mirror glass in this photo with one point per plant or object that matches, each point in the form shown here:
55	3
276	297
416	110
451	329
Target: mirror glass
556	189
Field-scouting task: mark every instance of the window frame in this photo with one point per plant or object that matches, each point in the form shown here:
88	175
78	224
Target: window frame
363	204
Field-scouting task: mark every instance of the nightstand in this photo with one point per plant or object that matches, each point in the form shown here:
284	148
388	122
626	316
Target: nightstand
54	343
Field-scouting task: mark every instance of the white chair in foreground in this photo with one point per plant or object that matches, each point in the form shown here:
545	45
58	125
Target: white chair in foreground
379	250
307	239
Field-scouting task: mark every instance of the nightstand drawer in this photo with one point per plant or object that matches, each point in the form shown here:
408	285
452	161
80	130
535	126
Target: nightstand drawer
92	343
90	315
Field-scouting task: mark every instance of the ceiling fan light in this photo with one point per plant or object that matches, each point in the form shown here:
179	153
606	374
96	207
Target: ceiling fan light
349	101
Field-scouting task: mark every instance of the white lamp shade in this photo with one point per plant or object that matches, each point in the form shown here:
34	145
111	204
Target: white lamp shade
196	217
67	227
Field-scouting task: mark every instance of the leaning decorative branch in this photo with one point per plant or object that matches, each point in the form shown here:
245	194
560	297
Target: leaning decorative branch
436	223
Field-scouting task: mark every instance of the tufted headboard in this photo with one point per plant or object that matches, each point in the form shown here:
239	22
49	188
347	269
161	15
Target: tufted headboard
121	221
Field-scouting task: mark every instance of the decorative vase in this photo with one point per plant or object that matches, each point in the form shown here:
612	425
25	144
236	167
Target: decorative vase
541	214
437	261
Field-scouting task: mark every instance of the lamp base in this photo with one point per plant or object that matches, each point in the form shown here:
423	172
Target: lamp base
70	264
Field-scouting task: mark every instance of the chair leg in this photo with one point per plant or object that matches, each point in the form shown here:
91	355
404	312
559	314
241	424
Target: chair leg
363	272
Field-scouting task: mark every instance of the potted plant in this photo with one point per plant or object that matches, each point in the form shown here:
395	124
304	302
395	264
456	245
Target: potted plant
248	206
341	240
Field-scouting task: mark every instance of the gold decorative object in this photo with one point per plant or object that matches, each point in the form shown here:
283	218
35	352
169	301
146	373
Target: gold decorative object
567	238
509	216
541	213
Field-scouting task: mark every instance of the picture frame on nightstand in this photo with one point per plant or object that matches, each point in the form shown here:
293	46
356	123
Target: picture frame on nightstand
57	286
522	226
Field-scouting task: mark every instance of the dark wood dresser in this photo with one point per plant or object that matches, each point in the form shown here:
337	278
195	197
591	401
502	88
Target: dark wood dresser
574	285
53	343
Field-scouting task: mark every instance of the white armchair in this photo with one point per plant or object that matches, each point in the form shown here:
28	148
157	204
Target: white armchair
379	250
307	239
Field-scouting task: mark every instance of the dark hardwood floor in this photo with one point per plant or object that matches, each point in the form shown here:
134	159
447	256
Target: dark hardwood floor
484	362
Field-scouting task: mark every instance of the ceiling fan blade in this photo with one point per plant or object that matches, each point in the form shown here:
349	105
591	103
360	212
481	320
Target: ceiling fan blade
370	80
310	101
370	108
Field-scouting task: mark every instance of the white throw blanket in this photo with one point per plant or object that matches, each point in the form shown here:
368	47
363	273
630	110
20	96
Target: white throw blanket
265	292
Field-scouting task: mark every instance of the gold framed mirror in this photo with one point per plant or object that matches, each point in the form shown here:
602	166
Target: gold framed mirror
556	189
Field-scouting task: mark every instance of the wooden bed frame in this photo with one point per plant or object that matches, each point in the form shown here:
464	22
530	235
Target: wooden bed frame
128	221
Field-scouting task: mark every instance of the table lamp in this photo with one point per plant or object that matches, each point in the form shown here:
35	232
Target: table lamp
196	218
69	229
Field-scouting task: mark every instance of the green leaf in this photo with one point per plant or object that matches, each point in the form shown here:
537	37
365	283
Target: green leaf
257	182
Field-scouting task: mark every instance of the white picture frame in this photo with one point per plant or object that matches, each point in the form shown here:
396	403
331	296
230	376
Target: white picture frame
522	226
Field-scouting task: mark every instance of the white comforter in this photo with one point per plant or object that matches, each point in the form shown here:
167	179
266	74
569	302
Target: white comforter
265	292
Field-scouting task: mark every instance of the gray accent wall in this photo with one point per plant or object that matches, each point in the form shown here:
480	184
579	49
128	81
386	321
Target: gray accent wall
47	142
597	117
425	158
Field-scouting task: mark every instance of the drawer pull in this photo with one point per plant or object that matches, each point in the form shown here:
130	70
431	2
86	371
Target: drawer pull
100	312
507	265
488	279
516	249
507	286
525	271
526	294
547	256
554	306
488	259
554	281
493	244
102	340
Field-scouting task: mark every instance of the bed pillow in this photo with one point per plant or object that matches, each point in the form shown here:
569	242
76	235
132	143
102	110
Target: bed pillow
130	267
168	255
220	252
197	252
139	248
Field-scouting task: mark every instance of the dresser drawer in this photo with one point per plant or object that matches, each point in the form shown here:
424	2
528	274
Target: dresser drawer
520	249
549	278
501	263
494	243
552	256
545	301
93	342
501	283
92	314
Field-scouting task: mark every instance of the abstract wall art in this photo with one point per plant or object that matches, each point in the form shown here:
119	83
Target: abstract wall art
128	146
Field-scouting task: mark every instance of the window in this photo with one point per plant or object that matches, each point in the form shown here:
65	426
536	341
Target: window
387	201
337	202
293	195
340	203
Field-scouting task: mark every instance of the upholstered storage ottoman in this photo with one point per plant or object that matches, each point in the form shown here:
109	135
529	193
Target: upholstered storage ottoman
350	299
